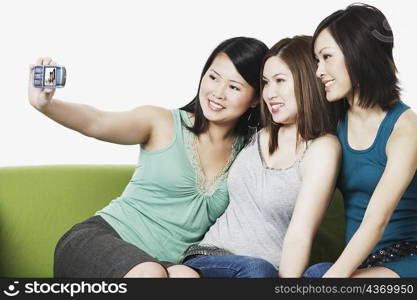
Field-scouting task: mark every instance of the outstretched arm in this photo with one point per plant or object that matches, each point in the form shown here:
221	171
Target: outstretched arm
131	127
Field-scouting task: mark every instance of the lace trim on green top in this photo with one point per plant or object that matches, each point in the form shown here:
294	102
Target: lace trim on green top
204	186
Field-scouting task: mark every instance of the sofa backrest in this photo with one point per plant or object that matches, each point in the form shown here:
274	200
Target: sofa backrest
39	204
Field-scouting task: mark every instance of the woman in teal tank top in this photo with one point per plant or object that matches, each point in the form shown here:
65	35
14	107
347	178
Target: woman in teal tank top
179	186
378	177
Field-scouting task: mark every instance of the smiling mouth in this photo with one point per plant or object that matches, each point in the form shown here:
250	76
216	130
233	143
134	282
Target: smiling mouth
276	107
215	106
329	83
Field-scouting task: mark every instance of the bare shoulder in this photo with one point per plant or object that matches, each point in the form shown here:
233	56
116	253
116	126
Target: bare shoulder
401	148
322	156
407	122
403	137
161	121
327	144
324	149
405	129
153	112
154	115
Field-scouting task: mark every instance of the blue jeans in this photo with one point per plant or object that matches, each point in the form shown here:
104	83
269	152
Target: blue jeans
232	266
317	270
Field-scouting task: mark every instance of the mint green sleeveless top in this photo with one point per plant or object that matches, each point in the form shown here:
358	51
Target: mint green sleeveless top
168	205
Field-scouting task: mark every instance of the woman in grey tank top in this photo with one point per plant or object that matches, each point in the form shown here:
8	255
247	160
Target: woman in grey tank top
280	172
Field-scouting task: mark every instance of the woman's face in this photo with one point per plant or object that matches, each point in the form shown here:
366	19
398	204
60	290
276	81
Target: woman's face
278	91
331	67
224	95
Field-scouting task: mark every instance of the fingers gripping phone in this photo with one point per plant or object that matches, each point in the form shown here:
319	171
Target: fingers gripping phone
49	76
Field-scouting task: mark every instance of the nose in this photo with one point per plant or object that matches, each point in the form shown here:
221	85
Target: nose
320	70
219	91
270	92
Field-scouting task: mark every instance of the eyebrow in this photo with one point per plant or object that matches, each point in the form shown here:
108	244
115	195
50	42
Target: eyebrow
275	75
323	49
235	81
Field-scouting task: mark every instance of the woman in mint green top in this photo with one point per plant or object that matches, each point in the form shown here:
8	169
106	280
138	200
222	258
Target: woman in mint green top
168	185
353	48
179	187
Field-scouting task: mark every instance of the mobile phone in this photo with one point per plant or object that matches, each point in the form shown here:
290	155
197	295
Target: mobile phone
49	76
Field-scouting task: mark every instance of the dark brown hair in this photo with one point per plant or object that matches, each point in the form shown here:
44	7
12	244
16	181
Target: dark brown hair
363	34
316	116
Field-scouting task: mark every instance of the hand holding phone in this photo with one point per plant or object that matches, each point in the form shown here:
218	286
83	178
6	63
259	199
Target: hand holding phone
44	77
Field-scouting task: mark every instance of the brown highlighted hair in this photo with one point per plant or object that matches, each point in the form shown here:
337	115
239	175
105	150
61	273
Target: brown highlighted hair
363	34
316	116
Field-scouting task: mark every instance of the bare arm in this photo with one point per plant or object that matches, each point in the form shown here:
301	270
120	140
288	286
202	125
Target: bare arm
401	166
131	127
128	128
319	173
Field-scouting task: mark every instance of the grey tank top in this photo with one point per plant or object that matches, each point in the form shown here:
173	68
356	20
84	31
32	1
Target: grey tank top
262	201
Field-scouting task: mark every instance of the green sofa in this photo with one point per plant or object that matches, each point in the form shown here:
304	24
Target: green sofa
39	204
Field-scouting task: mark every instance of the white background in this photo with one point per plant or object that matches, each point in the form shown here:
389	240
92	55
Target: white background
122	54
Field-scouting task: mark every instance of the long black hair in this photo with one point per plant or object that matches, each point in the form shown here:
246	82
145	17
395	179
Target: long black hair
246	55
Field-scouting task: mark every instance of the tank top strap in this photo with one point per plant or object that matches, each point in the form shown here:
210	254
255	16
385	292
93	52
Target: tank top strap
300	158
387	126
389	122
341	132
180	119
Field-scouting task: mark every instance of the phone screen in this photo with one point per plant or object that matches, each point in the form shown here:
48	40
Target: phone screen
50	76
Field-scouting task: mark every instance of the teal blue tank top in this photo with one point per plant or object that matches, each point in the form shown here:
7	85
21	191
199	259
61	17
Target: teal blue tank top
168	205
360	173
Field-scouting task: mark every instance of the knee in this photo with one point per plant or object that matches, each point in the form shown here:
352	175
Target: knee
147	270
253	267
182	271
